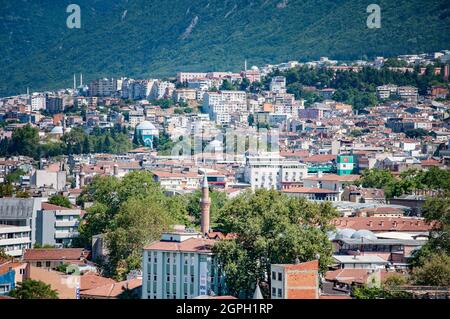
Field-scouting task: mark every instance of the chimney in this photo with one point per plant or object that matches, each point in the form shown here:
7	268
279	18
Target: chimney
116	170
205	204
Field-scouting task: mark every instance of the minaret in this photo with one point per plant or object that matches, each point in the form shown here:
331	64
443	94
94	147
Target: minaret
74	82
81	79
205	204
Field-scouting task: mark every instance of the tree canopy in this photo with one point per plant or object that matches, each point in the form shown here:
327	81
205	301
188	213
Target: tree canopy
132	212
33	289
271	228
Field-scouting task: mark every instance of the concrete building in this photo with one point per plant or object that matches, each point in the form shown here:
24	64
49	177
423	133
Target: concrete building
271	171
57	225
42	178
295	281
18	220
180	266
187	76
184	95
220	105
15	239
278	85
103	87
331	182
38	102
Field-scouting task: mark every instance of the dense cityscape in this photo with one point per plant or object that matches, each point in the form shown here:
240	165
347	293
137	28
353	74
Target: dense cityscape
302	180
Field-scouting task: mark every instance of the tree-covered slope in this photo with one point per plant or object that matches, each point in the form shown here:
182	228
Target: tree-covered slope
143	38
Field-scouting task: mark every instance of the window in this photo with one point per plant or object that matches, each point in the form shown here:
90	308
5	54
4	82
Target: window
47	264
280	293
274	292
38	264
280	276
274	276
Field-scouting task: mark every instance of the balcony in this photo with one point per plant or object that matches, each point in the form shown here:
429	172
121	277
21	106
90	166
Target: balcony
15	241
64	235
66	223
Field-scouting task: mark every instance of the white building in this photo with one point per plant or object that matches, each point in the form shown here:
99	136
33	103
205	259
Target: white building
180	266
186	76
278	84
15	239
221	105
162	90
136	118
49	179
38	102
271	171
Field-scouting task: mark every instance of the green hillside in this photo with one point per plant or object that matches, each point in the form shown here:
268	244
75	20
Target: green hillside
145	38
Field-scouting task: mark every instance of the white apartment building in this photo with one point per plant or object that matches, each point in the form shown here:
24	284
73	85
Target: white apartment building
220	105
161	90
409	93
38	102
15	239
270	170
186	76
184	95
278	84
136	118
385	91
180	266
177	180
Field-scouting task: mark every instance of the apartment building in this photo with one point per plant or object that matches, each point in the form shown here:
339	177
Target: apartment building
220	105
57	225
15	239
184	95
278	85
270	171
103	87
18	224
187	76
180	266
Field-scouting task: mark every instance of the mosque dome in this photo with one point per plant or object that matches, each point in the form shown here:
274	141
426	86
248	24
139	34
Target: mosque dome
146	125
57	130
344	233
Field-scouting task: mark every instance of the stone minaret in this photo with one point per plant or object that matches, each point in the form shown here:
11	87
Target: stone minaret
205	204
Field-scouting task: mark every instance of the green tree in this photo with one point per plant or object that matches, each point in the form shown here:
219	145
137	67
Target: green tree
60	200
138	222
435	271
271	228
25	141
33	289
112	214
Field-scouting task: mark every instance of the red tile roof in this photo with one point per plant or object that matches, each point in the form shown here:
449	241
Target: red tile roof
91	281
48	206
68	254
112	290
379	224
